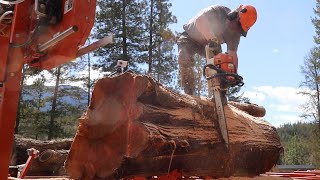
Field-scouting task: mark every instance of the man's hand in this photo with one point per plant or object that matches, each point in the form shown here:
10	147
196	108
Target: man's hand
215	46
235	58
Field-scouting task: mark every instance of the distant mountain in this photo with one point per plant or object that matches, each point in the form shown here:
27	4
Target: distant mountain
72	95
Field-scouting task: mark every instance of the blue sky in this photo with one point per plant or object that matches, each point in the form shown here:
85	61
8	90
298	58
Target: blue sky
271	55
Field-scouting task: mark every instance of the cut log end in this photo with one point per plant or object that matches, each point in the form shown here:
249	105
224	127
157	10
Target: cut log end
252	109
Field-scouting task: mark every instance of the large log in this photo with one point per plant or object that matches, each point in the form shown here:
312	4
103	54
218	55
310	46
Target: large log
136	127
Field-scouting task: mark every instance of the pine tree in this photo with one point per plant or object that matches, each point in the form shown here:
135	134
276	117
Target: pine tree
316	22
311	72
314	146
296	152
64	74
22	84
142	36
53	111
69	111
88	81
200	81
85	77
27	72
33	120
301	143
123	18
161	61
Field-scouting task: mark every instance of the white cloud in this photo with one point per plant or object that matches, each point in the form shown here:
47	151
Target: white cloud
286	108
31	80
255	97
278	120
283	95
95	74
46	74
275	51
283	104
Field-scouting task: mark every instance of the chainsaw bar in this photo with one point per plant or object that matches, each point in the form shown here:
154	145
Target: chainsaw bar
221	116
214	86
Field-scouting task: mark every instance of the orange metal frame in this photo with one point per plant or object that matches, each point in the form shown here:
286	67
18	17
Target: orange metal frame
12	59
81	15
11	67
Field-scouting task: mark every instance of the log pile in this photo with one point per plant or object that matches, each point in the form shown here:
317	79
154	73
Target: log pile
52	155
137	127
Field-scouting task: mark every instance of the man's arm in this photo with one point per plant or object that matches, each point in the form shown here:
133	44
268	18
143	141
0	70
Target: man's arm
232	47
235	56
216	46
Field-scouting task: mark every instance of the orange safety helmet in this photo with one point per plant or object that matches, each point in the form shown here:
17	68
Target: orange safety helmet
247	17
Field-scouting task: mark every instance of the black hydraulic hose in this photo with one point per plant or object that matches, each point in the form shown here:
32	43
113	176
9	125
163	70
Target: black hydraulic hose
30	38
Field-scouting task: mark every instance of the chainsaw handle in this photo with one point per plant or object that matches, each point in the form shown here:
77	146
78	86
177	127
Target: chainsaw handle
211	66
238	80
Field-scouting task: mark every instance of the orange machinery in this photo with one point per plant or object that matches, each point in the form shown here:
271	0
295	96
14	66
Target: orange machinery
42	34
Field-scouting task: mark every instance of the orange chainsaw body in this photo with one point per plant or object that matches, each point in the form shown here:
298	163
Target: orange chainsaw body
225	62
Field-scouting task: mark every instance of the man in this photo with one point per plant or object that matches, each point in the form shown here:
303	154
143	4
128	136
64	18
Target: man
215	24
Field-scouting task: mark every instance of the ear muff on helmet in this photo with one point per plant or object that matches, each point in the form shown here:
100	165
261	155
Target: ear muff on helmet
232	15
244	10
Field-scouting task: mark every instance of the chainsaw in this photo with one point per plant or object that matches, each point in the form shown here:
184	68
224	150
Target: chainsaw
220	71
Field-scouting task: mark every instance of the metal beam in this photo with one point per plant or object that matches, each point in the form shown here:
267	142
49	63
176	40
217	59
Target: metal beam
11	88
94	46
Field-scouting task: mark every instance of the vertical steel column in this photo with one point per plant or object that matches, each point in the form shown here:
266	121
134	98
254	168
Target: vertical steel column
11	65
4	156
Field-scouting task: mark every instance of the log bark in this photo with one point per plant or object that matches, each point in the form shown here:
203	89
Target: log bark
137	127
52	155
252	109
